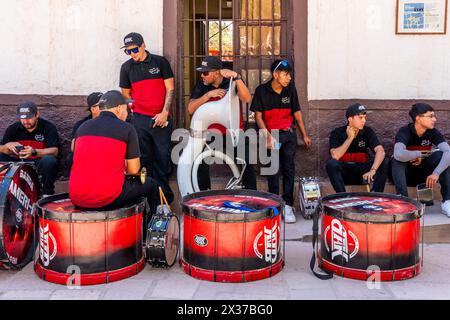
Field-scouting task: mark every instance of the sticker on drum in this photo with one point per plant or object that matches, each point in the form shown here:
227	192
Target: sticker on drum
361	230
163	240
19	191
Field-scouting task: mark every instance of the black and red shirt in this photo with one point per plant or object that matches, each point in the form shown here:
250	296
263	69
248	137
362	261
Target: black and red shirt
101	147
43	136
146	81
277	109
408	136
201	89
358	150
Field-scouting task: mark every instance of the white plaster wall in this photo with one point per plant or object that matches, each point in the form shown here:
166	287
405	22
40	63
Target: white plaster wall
353	52
71	47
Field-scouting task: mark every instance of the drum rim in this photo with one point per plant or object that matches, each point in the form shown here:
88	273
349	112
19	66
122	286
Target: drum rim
86	216
372	217
219	216
10	172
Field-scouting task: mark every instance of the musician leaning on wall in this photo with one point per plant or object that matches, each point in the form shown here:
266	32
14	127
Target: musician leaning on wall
39	140
213	85
414	162
349	146
106	148
148	80
276	106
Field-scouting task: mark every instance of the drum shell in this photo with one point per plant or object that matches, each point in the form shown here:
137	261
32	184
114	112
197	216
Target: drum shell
225	248
105	246
387	244
19	191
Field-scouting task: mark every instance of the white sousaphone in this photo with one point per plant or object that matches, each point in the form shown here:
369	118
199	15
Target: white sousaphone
225	112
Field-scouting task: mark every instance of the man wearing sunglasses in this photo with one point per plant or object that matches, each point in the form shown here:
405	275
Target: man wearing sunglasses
148	80
276	106
415	162
94	111
213	85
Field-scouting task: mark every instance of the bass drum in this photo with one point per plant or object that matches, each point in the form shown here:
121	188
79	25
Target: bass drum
19	191
163	240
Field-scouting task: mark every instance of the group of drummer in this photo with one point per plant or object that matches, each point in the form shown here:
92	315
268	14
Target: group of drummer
106	147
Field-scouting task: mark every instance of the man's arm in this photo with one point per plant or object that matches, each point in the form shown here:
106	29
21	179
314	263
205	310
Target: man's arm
445	160
126	93
194	104
301	127
403	155
132	166
28	151
161	118
9	148
243	93
263	130
337	153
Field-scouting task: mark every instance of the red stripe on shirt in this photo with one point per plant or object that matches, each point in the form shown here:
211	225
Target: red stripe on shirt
149	96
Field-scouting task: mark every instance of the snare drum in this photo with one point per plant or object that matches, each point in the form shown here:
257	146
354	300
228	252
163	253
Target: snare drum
19	191
233	235
365	233
163	240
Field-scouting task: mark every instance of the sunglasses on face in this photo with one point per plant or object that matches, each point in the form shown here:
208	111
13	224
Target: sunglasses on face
283	63
130	51
206	73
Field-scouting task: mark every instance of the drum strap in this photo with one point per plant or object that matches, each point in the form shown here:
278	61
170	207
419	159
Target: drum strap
328	275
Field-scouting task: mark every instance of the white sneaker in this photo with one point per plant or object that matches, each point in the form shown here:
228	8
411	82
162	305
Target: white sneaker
289	216
160	209
446	208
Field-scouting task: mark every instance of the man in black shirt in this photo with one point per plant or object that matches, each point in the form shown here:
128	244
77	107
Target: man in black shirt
414	160
213	85
38	140
350	161
94	112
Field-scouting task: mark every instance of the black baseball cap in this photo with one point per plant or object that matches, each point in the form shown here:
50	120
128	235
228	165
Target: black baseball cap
355	109
93	99
27	110
210	63
418	109
112	99
131	39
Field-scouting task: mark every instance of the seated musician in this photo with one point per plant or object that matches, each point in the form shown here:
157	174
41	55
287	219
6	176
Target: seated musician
349	147
414	162
33	139
105	150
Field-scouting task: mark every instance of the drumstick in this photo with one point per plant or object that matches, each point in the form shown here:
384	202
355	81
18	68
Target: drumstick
161	194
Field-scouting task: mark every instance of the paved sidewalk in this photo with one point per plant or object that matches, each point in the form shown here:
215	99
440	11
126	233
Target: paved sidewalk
295	281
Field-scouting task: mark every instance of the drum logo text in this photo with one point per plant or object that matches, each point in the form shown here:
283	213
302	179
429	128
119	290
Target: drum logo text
270	244
20	196
26	177
340	241
201	241
44	245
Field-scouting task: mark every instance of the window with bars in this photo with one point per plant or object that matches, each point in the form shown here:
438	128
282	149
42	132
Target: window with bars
248	35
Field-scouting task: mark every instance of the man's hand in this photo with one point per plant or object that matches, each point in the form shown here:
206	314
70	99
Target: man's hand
352	132
26	152
217	93
161	119
12	147
369	176
432	180
270	141
228	73
308	141
416	162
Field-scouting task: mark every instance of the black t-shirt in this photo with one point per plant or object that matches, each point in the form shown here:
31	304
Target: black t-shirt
146	81
408	136
101	147
78	124
277	109
44	136
358	150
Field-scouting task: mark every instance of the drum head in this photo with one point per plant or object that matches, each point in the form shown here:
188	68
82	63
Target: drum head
172	240
19	191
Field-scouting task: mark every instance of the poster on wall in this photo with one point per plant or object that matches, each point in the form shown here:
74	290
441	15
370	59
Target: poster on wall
421	16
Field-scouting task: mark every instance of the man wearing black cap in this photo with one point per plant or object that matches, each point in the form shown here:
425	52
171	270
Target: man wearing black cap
107	148
415	161
213	85
148	80
94	112
349	147
276	106
33	139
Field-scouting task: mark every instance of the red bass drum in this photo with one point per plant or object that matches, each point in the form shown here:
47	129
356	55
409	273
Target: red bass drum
365	234
19	191
232	235
101	246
